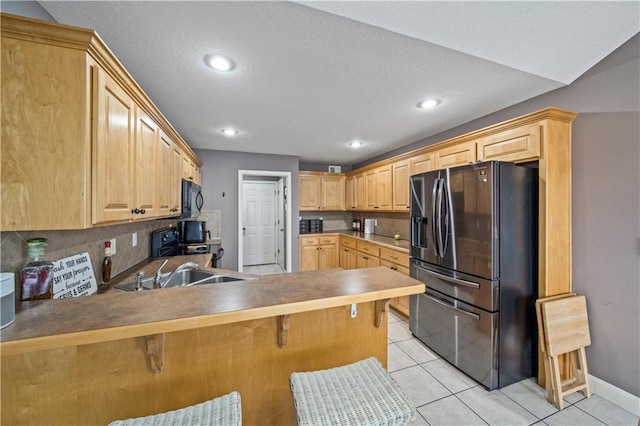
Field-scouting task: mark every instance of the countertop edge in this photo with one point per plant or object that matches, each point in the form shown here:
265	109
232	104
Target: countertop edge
375	239
35	344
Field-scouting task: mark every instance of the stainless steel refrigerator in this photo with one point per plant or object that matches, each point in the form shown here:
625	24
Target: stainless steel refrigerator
474	245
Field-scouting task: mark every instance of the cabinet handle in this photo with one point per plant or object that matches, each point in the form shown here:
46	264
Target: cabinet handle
142	211
376	207
137	211
365	257
394	257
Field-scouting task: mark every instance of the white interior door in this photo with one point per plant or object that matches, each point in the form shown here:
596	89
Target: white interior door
280	223
259	241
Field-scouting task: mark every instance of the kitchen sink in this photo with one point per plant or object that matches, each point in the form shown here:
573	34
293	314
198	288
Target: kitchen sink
195	277
184	278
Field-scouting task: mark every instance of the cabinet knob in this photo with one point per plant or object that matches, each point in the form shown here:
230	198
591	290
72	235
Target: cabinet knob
136	211
142	211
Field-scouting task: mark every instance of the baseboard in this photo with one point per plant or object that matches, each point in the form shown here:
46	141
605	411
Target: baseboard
615	395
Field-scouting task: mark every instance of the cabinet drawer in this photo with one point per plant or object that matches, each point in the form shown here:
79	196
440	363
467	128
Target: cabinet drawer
308	241
369	248
394	256
328	240
395	266
348	242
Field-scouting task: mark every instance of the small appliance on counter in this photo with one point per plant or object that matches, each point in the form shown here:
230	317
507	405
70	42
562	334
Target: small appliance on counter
311	226
164	242
7	299
192	231
369	226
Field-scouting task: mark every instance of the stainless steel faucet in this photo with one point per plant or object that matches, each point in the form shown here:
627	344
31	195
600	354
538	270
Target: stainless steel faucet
187	265
156	281
139	281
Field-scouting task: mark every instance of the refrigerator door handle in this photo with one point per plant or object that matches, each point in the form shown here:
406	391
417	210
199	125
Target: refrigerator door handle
440	242
434	216
455	308
444	218
451	279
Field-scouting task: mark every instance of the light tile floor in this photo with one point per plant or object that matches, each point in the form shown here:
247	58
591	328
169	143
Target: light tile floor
269	269
445	396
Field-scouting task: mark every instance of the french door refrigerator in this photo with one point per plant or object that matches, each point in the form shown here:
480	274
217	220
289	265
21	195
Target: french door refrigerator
474	245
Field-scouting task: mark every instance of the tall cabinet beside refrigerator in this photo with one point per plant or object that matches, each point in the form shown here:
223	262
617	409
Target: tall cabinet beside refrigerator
474	245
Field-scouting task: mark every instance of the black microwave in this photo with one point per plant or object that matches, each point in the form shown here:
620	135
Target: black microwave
191	199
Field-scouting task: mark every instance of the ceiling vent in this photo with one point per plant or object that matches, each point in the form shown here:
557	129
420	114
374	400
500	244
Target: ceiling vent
335	169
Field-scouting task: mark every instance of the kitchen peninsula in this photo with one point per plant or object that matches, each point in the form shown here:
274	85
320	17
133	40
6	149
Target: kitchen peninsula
116	355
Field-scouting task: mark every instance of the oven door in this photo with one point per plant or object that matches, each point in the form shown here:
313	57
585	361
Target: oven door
462	334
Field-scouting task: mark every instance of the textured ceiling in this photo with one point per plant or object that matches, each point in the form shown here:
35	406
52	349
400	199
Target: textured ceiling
308	81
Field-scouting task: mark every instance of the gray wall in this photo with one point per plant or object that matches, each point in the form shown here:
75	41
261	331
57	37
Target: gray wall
220	175
32	9
606	204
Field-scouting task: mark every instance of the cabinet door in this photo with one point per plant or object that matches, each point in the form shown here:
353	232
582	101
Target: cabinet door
456	155
519	144
347	258
333	188
176	181
165	186
370	189
309	257
310	188
113	152
367	261
328	256
197	175
421	163
145	167
401	186
350	193
361	191
384	188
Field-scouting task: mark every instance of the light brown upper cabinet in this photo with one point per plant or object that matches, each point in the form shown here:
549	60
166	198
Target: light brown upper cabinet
455	155
113	151
378	191
146	167
321	191
421	163
164	176
361	191
350	193
401	186
176	181
80	140
519	144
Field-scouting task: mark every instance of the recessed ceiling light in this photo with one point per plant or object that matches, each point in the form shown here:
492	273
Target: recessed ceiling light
356	144
229	132
220	63
429	103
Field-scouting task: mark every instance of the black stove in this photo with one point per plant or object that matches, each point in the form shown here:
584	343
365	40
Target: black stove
165	242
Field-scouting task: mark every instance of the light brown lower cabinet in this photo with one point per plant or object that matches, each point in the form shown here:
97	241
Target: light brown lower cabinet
318	253
348	253
398	261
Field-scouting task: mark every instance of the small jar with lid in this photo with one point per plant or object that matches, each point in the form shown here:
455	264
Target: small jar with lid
36	276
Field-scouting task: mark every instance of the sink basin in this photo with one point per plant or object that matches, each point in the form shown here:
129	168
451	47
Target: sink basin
190	277
184	278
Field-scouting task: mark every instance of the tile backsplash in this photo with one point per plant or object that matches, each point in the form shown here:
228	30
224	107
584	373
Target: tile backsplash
61	244
389	224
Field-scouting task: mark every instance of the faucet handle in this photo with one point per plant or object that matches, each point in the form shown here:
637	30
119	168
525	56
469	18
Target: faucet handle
139	276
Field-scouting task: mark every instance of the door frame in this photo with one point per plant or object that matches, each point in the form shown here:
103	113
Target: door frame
287	206
273	186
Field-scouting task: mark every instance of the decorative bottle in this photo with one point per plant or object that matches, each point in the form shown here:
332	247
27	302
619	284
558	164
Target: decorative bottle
36	277
106	263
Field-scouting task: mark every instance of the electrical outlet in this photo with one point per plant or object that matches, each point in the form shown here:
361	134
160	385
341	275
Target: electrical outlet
375	222
113	246
134	239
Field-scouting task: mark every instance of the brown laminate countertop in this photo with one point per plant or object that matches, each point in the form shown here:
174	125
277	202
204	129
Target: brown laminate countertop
400	245
115	315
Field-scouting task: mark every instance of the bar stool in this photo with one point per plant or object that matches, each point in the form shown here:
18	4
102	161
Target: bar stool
225	410
362	393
